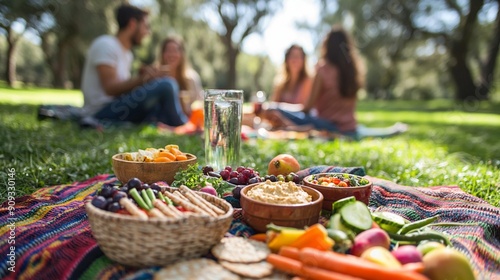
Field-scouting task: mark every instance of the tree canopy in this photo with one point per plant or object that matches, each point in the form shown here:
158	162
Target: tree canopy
416	49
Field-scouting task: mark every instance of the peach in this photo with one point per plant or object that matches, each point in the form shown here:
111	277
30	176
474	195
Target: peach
283	164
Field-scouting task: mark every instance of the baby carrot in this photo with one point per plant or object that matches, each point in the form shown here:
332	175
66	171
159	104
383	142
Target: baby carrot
262	237
322	274
290	252
354	267
295	267
285	264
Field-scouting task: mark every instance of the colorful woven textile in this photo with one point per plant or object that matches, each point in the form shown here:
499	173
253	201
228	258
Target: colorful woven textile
53	239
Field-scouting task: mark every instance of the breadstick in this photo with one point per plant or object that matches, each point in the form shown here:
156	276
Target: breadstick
214	208
186	204
132	209
197	201
167	211
155	213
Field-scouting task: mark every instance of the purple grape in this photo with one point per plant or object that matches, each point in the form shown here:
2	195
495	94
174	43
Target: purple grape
237	192
224	174
114	207
106	191
214	174
99	202
247	173
233	174
207	169
242	179
228	168
155	186
119	195
234	181
124	188
134	183
253	180
145	186
240	169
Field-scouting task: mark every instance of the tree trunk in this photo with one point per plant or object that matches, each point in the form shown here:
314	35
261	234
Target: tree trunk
59	66
465	87
10	69
231	75
488	68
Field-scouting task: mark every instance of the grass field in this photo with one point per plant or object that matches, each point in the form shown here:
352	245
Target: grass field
447	144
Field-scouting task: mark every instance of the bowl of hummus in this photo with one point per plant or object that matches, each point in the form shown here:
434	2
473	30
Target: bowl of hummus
282	203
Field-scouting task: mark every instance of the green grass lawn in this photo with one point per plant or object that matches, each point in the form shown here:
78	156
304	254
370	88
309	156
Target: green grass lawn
447	144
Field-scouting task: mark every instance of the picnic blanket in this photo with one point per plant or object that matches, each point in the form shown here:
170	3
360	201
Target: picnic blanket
53	239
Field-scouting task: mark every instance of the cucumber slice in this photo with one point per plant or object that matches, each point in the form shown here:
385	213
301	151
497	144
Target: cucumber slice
336	223
341	203
356	216
388	221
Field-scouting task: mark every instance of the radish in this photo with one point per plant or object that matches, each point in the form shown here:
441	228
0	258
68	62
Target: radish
209	189
370	238
407	254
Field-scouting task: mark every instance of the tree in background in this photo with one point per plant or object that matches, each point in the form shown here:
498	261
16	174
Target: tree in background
25	13
236	20
391	32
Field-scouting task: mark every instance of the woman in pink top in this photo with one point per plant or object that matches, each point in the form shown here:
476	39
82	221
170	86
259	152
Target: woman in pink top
294	85
332	103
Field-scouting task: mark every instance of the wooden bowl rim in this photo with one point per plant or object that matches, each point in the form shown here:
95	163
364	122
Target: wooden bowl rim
312	185
319	200
117	158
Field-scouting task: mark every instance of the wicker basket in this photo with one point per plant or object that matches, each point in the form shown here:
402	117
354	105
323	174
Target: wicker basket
154	242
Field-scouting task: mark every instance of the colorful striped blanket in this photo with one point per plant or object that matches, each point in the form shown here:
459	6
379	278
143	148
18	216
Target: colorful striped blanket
47	236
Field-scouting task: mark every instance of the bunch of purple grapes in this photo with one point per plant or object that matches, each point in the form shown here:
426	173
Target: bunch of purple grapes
108	197
239	176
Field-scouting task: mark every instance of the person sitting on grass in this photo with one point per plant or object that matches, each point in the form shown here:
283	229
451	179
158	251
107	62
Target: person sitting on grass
112	95
333	99
173	56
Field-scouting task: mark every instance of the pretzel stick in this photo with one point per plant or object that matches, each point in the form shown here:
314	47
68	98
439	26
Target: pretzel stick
196	201
165	209
181	196
184	203
156	213
202	200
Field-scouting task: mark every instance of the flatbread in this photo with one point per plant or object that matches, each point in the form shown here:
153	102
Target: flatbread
253	270
240	250
196	269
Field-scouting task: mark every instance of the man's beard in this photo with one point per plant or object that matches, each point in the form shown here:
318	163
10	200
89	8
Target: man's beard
136	39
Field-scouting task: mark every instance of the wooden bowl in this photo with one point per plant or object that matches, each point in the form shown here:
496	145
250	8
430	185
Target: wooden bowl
332	194
149	172
259	214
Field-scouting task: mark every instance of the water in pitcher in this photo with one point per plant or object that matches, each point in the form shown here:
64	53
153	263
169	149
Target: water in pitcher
222	130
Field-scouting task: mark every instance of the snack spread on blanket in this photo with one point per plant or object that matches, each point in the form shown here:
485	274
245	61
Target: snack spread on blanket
168	154
355	242
337	180
279	193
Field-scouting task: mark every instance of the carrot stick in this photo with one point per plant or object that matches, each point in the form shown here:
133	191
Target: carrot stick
322	274
359	268
295	267
290	252
262	237
285	264
415	267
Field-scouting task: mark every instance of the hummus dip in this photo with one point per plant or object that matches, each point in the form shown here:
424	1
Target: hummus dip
279	193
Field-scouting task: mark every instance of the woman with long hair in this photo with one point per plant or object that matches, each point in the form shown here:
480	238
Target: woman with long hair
294	84
332	103
173	55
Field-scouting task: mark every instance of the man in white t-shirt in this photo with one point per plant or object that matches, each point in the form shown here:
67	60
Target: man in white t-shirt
111	94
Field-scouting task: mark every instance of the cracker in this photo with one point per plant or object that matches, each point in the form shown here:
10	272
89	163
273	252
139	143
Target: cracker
240	250
195	269
252	270
276	275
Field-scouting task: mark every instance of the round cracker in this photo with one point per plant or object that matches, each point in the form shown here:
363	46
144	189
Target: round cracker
253	270
196	269
240	250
